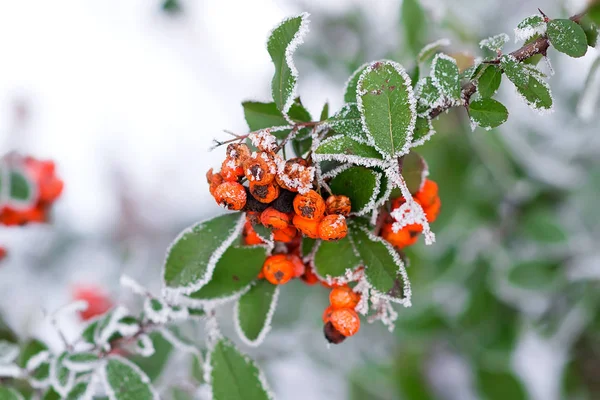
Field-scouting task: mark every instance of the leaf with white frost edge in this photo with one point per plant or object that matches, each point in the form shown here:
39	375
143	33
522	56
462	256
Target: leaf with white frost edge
61	377
233	375
487	113
81	390
343	149
144	346
361	185
178	340
156	310
530	27
427	94
423	131
351	84
431	49
254	311
494	43
8	352
81	362
193	256
388	107
123	380
445	76
534	90
282	43
384	270
348	121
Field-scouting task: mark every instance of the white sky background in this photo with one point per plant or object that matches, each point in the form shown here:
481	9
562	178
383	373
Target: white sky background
116	87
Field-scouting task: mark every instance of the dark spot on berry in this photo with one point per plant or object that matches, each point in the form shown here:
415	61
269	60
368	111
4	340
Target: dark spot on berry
261	191
413	234
307	211
257	172
252	204
333	335
278	275
285	202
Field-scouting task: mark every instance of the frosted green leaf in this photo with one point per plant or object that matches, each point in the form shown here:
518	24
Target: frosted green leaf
282	43
266	115
567	37
494	43
235	270
8	352
383	268
79	391
423	131
254	312
192	257
427	93
361	185
530	27
348	121
124	380
445	76
487	113
350	87
235	376
489	81
7	393
334	258
429	50
414	171
388	107
347	148
530	86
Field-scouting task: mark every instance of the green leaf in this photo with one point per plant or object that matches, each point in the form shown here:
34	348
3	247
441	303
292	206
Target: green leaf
567	37
254	312
445	76
22	190
535	275
334	258
530	27
7	393
61	377
266	115
30	349
126	381
494	43
324	112
594	13
234	375
235	270
348	121
388	107
383	268
360	184
414	24
488	113
411	381
80	362
194	254
346	150
423	131
500	386
414	170
154	365
8	352
307	245
352	84
281	45
431	49
489	81
427	93
78	391
591	30
528	82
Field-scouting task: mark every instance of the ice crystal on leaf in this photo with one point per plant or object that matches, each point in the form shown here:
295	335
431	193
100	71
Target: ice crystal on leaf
530	27
494	43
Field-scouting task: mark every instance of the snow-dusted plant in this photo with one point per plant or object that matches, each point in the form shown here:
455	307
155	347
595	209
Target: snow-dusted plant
364	151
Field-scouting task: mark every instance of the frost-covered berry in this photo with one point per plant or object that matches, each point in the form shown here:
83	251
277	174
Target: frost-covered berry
327	314
278	269
230	195
238	153
407	236
333	335
309	205
345	321
333	227
251	238
230	172
98	301
273	219
213	180
285	235
428	193
264	193
260	168
295	175
338	204
264	140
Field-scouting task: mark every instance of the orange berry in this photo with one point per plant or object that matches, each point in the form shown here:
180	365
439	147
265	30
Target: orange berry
260	168
278	269
343	297
3	253
309	227
345	321
230	172
338	204
333	227
427	194
332	335
213	181
261	275
406	236
238	153
433	210
397	202
264	193
299	266
309	277
309	205
295	174
327	314
285	235
230	195
271	218
251	238
253	217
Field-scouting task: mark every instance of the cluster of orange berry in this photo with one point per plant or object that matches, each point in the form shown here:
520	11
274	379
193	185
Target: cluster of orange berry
340	319
429	199
49	188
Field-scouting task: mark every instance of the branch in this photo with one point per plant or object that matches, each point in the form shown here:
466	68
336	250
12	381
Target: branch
538	46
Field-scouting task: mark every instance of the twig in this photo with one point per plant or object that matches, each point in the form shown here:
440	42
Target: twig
538	46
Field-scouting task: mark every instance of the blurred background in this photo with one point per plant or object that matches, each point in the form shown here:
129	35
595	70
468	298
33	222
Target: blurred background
126	98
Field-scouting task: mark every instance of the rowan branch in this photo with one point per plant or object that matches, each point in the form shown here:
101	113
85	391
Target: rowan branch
538	46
